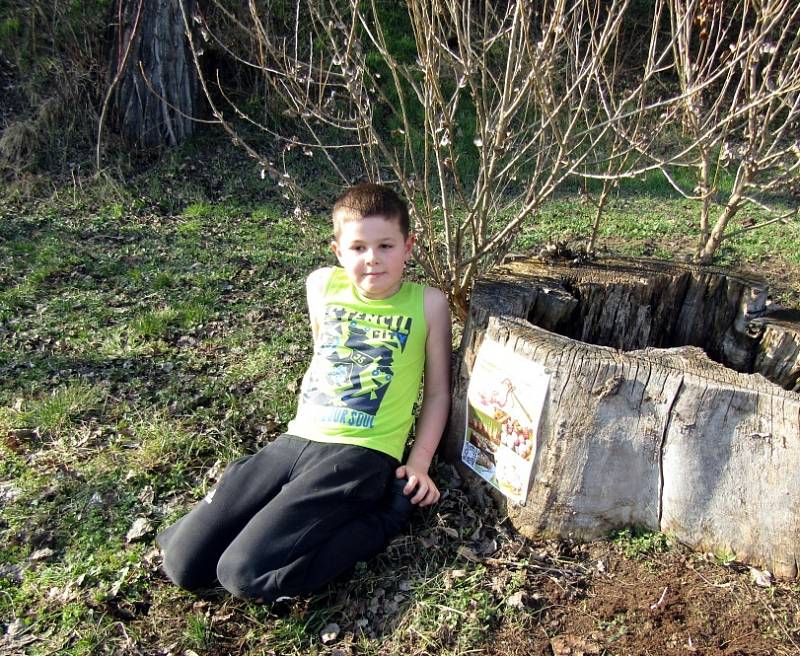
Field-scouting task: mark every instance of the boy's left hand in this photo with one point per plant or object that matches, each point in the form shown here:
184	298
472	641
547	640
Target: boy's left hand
426	491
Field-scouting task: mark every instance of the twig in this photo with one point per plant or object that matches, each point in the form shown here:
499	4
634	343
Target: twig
714	585
660	601
117	78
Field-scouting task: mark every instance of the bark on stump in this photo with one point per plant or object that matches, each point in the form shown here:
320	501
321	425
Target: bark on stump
633	433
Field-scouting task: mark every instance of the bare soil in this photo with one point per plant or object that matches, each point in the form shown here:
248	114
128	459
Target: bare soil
671	603
617	596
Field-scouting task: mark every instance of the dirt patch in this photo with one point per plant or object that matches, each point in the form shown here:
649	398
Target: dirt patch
679	603
676	602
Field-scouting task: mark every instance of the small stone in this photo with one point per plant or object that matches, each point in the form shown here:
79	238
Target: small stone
516	600
23	434
9	492
41	554
330	633
12	573
761	578
16	628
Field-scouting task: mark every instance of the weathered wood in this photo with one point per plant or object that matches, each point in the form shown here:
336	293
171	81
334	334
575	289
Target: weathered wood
778	356
663	438
630	304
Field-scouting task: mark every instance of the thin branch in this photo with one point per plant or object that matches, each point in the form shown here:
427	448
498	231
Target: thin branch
117	77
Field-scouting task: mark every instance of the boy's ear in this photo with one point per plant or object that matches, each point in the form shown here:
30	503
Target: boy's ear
335	249
409	245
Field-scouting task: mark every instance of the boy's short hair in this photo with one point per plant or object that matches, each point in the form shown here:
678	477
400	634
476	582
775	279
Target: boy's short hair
369	199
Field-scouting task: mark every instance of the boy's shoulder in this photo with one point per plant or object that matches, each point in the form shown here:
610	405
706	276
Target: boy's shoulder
437	307
318	279
434	294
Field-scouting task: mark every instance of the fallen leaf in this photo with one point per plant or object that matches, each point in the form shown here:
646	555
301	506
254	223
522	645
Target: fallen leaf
468	554
215	470
487	547
147	495
12	573
117	585
449	531
223	615
330	633
138	530
9	492
62	595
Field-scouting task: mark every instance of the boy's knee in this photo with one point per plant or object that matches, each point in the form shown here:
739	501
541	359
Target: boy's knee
235	573
183	573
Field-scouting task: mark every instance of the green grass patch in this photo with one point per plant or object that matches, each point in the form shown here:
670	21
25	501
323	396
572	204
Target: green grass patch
56	411
639	543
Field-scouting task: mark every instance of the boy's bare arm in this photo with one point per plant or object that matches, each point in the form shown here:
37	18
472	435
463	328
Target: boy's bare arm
315	291
435	401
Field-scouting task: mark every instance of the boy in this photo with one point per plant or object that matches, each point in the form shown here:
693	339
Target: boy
332	491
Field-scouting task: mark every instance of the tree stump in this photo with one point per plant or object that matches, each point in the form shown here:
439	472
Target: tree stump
640	425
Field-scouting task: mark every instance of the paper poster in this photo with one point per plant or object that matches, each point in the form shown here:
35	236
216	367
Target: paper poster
505	399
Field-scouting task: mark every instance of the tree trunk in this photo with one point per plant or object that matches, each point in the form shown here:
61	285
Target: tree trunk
154	100
635	435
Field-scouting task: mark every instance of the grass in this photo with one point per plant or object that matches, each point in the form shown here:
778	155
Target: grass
638	542
639	223
151	332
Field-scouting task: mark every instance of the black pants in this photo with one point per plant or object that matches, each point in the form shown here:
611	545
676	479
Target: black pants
283	521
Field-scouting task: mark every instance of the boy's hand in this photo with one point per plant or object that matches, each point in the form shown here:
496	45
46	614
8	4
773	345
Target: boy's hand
426	491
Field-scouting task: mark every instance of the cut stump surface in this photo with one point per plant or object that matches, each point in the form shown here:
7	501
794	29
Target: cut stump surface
634	433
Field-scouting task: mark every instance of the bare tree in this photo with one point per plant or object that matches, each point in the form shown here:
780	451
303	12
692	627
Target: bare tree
478	129
628	98
738	67
154	82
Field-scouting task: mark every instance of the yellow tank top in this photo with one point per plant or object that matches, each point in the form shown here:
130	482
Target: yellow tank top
366	370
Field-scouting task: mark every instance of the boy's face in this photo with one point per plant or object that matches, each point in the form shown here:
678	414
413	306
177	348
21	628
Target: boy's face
373	252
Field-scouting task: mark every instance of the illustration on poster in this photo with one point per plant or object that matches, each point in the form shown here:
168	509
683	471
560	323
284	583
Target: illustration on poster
503	414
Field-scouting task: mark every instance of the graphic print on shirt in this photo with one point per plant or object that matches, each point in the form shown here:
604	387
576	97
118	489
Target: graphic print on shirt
360	351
